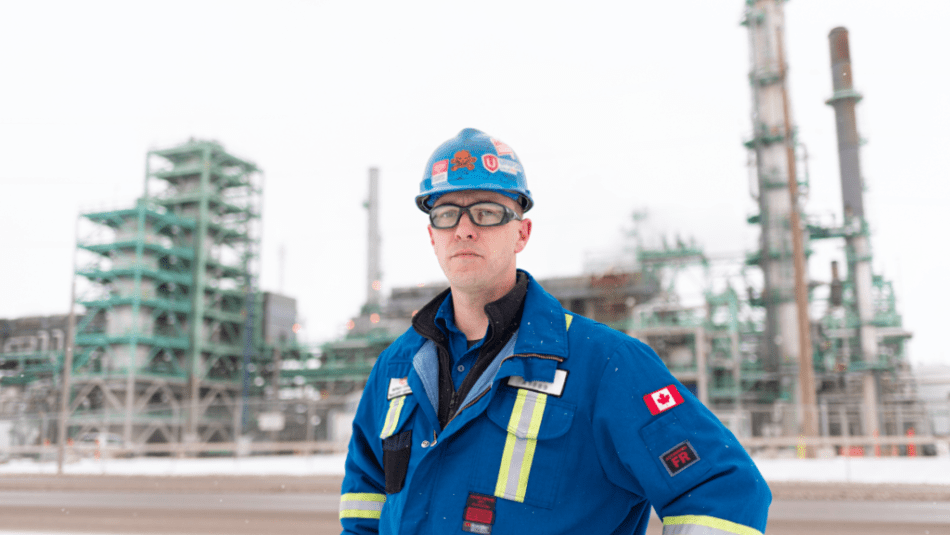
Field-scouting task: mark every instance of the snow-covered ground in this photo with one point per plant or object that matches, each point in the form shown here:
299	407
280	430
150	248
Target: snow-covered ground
920	470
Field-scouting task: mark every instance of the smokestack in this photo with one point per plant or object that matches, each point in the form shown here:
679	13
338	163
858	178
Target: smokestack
843	100
373	274
857	241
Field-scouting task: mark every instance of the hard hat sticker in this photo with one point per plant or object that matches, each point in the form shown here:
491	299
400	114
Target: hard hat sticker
502	148
440	172
464	159
490	162
510	167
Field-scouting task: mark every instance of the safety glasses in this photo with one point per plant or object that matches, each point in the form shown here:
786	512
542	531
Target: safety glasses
482	214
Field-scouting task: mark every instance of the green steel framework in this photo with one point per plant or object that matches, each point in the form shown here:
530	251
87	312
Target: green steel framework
172	309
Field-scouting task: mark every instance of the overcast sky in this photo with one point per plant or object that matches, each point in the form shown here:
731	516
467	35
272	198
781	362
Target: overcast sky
612	107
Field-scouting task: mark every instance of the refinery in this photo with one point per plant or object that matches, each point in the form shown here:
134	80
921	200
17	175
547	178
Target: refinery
177	349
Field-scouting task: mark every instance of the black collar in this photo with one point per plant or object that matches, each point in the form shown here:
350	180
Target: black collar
504	318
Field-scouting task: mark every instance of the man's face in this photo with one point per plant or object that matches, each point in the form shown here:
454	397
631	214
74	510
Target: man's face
477	259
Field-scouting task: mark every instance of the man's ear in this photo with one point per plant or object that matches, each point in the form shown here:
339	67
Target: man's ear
431	238
524	234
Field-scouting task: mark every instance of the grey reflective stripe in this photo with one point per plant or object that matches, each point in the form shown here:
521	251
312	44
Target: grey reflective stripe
704	525
361	505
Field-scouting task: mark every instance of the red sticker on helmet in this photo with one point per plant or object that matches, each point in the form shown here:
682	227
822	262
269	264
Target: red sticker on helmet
490	162
463	158
440	171
502	148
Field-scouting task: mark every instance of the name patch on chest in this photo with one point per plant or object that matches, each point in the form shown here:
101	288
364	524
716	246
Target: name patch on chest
398	387
679	458
555	388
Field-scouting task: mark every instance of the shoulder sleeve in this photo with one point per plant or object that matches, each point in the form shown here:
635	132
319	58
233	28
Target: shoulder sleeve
655	439
363	493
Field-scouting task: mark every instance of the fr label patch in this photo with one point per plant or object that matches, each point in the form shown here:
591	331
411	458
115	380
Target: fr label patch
679	458
663	399
479	514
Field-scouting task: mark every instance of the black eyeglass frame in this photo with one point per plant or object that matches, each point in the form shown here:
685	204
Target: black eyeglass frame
510	215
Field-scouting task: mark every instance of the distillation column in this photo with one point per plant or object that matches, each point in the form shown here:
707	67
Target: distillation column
857	241
765	20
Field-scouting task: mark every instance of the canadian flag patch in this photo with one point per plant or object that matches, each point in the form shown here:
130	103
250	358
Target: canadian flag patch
663	399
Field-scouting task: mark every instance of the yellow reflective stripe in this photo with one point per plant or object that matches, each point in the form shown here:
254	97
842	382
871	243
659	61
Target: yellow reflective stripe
358	513
392	416
361	505
568	318
700	524
523	428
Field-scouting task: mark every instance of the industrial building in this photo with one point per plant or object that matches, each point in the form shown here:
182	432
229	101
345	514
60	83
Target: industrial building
175	341
174	336
749	350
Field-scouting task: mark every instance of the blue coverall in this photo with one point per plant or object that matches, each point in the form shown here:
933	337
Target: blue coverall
574	428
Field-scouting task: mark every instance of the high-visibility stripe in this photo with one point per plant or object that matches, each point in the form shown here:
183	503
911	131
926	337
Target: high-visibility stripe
568	318
523	428
704	525
361	505
392	416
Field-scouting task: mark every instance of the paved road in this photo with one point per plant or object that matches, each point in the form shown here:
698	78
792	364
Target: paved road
265	505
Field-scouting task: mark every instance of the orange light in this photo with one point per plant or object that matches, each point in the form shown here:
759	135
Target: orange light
374	318
296	328
350	325
376	285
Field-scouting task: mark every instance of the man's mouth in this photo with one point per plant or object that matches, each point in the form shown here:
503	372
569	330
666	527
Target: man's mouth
465	254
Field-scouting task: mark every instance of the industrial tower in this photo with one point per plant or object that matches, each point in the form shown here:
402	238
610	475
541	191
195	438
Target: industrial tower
169	334
771	126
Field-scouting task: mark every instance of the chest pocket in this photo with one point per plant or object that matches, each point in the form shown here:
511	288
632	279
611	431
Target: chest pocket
531	428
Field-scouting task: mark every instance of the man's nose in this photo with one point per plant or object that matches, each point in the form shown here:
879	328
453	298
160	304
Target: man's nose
466	228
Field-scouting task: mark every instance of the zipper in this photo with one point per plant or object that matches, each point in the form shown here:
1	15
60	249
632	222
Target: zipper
487	390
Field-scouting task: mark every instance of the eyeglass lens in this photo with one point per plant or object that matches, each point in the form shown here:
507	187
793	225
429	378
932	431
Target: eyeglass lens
482	214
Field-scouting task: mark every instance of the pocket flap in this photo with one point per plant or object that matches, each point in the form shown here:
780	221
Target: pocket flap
553	422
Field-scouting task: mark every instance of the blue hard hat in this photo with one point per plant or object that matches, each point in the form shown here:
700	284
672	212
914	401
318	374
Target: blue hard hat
473	161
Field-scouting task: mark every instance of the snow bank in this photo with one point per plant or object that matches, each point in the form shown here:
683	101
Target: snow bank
919	470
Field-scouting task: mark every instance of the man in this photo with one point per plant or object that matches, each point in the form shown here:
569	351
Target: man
500	412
